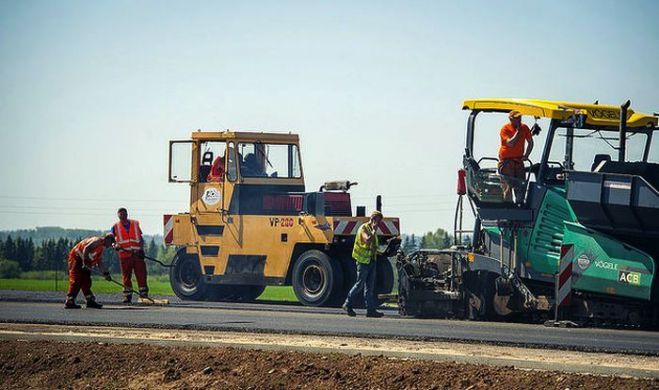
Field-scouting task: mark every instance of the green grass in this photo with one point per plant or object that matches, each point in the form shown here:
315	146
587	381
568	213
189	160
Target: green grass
158	285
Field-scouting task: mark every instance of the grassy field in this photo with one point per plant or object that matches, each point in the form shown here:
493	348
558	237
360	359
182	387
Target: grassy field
158	285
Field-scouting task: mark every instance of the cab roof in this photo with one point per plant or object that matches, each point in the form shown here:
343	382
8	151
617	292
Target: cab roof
245	136
596	114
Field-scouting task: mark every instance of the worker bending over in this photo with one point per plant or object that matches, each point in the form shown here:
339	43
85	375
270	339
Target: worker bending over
365	253
512	154
85	255
130	246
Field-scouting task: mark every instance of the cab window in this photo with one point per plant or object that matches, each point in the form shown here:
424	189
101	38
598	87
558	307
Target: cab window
232	166
269	160
212	162
180	162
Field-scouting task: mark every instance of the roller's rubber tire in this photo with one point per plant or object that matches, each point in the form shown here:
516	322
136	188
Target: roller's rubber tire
186	278
317	279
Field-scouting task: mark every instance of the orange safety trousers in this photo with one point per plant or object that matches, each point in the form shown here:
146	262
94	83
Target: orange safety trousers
79	279
130	264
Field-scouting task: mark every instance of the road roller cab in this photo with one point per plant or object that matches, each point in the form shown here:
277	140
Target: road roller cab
251	222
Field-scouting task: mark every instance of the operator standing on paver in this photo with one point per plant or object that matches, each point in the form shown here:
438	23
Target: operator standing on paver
85	255
512	156
130	246
365	253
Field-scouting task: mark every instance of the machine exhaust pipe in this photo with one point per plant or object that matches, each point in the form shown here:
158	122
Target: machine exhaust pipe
623	131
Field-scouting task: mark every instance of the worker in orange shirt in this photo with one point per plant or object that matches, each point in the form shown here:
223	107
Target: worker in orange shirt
85	255
512	153
130	246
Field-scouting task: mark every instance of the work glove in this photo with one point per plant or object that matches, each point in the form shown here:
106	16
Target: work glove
141	254
85	268
107	276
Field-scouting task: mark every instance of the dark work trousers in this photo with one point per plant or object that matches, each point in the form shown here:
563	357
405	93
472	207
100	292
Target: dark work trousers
365	281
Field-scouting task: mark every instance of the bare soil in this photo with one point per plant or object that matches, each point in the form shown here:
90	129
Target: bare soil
51	365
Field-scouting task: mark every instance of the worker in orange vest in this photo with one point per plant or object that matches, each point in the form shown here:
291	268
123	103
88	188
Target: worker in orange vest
85	255
130	246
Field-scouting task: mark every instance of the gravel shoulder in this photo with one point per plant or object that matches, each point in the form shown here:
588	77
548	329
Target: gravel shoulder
620	365
47	364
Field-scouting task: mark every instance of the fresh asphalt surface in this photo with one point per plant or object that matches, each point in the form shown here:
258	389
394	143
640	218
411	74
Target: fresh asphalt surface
47	308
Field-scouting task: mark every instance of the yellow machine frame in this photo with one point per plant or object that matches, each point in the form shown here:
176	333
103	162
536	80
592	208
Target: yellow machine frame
234	247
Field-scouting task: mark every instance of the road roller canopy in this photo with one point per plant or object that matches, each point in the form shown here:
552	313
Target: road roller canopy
588	115
245	136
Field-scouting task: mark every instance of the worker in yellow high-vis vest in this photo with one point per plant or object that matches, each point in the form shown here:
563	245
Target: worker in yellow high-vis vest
365	253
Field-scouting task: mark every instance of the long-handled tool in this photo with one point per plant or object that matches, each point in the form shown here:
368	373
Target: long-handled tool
144	300
144	256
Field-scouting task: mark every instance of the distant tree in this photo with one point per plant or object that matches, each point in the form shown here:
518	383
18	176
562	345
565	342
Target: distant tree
111	260
10	249
38	260
9	269
51	254
166	253
152	249
61	253
47	248
407	245
24	254
438	239
41	234
30	249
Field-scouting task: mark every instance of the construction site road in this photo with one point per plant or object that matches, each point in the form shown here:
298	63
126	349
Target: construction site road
270	318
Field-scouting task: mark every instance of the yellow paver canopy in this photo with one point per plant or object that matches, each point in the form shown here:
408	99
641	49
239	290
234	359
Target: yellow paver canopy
595	114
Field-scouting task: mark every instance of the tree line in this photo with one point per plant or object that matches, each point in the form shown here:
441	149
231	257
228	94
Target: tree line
439	239
19	255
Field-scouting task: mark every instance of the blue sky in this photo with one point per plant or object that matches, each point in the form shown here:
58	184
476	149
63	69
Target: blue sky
91	92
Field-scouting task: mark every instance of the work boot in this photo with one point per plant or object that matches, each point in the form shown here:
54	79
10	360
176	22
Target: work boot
92	304
127	299
374	314
348	310
144	292
71	304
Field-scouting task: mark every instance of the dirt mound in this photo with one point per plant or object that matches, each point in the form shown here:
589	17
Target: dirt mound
137	366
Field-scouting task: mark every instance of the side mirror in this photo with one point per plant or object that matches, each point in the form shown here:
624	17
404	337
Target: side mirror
536	129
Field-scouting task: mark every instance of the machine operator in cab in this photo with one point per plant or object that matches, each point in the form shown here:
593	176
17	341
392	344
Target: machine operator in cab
515	147
216	173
